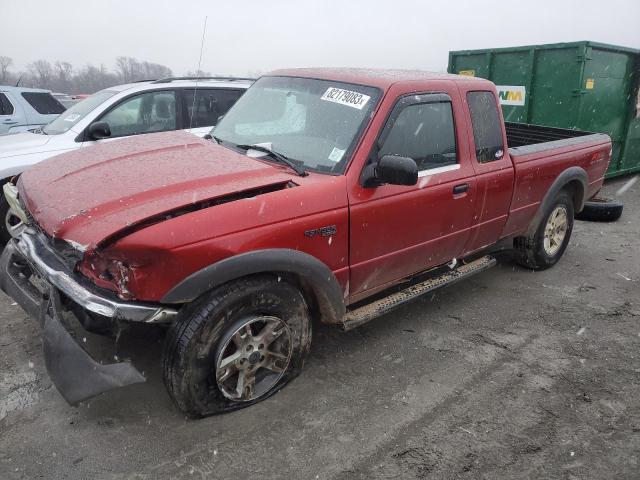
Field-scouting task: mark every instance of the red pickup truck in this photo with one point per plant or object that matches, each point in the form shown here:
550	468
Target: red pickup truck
323	194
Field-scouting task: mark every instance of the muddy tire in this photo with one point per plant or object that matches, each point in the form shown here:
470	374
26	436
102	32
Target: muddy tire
236	346
545	247
600	209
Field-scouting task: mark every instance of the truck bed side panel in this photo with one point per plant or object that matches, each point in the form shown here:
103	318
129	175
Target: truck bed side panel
538	165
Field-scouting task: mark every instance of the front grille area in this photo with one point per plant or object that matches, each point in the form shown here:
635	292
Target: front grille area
62	250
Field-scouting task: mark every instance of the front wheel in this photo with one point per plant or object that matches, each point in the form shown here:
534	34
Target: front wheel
545	247
236	346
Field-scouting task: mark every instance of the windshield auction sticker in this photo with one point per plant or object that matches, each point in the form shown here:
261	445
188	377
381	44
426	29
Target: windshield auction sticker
72	118
346	97
336	154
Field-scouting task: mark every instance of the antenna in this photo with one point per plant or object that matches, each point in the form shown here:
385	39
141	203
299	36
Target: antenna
195	90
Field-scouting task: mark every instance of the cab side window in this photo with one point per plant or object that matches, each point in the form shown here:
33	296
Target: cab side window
146	113
487	127
424	132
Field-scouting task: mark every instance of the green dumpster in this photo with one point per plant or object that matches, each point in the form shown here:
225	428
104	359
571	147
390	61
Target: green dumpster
582	85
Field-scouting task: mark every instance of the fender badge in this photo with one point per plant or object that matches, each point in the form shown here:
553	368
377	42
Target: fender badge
322	231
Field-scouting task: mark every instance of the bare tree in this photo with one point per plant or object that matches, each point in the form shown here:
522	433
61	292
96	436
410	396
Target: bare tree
63	76
5	64
154	71
42	72
199	73
91	79
131	70
128	68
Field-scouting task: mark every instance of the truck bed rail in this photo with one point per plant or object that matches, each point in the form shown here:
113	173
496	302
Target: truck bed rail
522	134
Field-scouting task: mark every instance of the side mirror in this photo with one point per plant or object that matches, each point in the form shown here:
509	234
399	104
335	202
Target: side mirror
391	169
99	130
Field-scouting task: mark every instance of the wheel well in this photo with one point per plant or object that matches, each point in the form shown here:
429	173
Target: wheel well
576	190
317	312
307	292
307	272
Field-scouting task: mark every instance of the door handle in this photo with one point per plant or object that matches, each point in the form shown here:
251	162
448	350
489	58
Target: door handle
462	188
9	121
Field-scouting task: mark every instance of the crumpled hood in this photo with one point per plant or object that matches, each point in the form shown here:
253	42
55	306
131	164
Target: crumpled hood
90	194
22	143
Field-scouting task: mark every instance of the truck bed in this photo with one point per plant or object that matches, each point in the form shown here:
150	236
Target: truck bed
521	134
531	142
540	155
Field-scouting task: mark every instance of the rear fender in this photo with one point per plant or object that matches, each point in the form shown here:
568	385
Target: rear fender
314	275
573	179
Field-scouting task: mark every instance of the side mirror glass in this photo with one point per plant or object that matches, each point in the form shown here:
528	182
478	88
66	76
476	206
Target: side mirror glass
391	169
99	130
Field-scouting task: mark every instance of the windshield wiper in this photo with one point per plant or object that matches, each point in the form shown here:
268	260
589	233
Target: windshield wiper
209	136
276	156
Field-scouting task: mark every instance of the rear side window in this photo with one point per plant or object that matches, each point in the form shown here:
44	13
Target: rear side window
208	106
424	132
6	108
487	129
43	103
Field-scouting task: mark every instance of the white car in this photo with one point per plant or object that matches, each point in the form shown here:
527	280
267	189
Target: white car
115	112
23	109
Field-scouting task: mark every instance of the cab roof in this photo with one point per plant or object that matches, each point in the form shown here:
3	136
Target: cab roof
380	78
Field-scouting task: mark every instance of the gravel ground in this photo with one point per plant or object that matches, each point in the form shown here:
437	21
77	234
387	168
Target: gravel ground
511	374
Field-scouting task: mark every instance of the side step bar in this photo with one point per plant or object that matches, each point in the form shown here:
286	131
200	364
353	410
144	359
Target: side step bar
357	317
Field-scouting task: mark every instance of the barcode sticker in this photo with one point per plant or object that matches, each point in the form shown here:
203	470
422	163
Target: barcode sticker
346	97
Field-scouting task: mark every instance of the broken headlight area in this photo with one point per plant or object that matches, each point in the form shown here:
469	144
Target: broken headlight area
112	274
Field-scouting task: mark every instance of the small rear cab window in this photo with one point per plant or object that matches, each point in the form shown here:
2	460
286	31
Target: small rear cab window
487	126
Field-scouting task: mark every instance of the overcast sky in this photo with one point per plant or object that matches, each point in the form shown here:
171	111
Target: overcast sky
259	35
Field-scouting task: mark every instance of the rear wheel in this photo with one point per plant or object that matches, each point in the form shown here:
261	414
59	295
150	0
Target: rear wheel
236	346
545	247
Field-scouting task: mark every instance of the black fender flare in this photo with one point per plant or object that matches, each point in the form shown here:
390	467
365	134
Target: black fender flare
571	176
315	275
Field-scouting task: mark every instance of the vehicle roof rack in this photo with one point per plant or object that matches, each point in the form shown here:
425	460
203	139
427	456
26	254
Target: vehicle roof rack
231	79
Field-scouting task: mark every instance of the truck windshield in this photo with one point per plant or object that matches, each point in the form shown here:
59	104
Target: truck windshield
315	123
69	118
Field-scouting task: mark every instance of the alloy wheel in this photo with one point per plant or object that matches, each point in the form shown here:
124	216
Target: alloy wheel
253	358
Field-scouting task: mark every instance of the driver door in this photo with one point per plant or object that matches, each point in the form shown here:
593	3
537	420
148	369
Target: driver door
397	231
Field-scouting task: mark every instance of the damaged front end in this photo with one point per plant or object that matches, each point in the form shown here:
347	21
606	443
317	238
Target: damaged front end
42	281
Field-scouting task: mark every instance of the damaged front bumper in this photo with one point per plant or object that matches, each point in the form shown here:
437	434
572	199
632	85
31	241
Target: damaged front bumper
38	279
